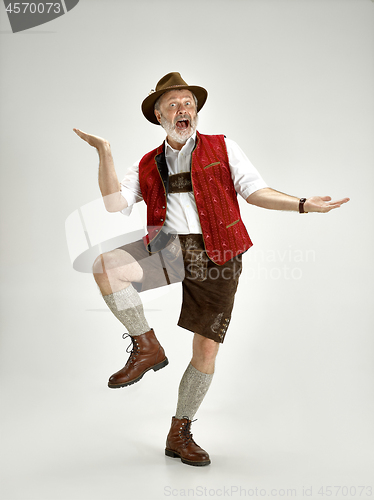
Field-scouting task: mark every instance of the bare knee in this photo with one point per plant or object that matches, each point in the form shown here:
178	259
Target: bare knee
104	264
205	349
107	263
116	265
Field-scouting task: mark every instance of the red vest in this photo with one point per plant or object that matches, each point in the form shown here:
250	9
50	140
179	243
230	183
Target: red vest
224	233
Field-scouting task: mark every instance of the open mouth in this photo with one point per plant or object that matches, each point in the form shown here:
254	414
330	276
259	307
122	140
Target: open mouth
182	124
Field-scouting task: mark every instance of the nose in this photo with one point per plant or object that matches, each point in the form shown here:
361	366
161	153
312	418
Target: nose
181	109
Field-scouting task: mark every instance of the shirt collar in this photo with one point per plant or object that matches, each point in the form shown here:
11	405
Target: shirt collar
189	145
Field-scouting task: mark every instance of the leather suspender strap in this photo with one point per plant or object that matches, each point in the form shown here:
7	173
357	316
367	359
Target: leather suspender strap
180	183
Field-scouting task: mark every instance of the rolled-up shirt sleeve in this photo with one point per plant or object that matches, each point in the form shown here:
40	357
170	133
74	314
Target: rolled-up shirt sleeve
130	188
244	175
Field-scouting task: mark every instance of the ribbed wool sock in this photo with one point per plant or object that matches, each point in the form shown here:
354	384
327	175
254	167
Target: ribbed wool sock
127	306
192	389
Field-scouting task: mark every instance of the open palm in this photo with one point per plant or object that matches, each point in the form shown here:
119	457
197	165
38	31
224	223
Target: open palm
92	140
322	204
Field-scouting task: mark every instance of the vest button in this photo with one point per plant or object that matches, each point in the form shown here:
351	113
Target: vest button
162	220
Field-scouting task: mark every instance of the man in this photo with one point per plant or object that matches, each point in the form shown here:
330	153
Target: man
190	185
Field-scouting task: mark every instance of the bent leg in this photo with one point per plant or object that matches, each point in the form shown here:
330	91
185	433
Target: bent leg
113	272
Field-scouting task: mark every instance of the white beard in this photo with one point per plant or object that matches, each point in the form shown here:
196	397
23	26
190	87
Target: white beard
179	136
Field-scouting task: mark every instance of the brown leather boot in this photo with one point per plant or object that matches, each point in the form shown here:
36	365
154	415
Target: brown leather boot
146	354
179	444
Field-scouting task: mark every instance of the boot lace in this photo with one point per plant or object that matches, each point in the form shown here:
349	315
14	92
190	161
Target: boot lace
132	349
185	431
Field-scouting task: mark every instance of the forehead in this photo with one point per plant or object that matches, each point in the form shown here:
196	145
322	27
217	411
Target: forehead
176	94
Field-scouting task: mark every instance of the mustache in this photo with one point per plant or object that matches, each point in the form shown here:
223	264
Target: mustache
182	118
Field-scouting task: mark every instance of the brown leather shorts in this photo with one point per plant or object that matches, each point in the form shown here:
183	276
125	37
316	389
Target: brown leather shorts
208	289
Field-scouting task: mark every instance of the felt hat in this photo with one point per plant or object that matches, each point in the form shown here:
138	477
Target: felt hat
171	81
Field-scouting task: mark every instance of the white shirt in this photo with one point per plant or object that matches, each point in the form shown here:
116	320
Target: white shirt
182	215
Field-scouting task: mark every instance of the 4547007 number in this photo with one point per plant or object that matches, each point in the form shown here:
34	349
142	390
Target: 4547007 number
33	8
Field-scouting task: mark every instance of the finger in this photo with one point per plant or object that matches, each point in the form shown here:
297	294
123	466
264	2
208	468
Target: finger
339	202
326	198
81	134
332	207
344	200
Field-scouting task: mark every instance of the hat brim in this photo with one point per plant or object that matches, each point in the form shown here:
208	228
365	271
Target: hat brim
149	102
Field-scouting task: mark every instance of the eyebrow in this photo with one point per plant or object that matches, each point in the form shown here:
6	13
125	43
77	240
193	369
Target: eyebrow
173	98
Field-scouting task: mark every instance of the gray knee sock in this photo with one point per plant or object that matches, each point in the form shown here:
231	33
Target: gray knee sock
192	389
127	307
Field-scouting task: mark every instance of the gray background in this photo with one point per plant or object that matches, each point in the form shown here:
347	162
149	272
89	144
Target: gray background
291	404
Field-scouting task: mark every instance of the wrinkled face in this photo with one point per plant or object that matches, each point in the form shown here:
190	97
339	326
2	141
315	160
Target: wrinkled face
177	114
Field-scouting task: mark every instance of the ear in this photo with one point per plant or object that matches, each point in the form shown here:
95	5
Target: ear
157	115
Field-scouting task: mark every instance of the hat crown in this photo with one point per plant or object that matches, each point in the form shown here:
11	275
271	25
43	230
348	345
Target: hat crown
171	80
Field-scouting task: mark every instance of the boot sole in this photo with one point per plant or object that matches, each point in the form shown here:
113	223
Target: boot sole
154	368
173	454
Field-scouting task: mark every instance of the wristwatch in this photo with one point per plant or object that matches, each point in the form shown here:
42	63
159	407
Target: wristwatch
301	206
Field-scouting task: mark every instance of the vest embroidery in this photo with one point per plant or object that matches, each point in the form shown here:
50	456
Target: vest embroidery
223	230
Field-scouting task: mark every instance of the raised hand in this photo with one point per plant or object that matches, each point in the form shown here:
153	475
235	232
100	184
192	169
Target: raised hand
322	204
92	140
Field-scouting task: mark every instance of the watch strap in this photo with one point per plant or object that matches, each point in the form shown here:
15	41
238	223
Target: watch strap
301	206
